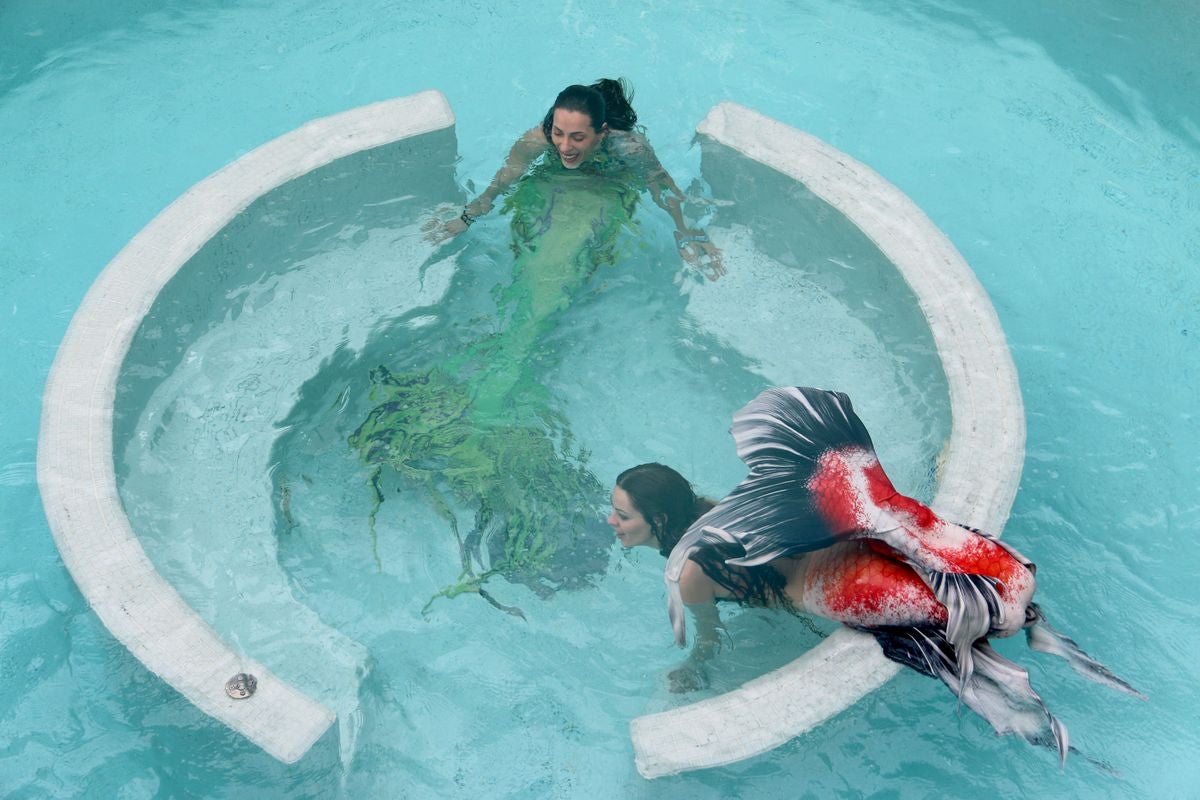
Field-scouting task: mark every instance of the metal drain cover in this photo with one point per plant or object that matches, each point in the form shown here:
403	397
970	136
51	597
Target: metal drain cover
241	686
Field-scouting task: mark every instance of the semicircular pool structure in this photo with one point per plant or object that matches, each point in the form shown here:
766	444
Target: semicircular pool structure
982	463
235	483
76	458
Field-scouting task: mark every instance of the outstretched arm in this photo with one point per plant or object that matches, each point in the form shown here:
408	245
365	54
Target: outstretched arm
693	243
523	152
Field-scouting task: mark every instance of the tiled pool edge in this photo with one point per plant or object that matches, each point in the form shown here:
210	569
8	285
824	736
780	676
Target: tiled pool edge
978	480
75	460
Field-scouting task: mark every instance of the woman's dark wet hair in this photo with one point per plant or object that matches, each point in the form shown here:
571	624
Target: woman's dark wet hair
657	491
605	101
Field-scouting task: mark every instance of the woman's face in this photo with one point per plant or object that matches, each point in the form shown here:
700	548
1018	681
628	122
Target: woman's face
573	137
631	527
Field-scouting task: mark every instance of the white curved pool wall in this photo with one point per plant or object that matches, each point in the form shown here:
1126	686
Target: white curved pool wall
76	460
78	484
979	475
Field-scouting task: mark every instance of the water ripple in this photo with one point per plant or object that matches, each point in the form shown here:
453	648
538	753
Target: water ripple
19	473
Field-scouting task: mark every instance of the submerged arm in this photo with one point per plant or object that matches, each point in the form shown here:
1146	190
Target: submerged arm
700	596
531	145
707	641
522	154
694	245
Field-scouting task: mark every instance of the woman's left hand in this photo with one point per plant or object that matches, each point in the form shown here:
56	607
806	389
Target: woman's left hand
696	249
690	677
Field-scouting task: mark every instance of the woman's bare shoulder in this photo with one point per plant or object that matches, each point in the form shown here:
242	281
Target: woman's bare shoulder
534	135
695	587
532	142
626	142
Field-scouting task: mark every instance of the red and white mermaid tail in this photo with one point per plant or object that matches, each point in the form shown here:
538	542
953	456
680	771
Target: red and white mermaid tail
929	590
815	481
998	689
983	584
780	435
867	584
861	585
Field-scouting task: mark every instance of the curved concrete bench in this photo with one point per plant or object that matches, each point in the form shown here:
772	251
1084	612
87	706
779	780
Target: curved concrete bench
979	477
75	446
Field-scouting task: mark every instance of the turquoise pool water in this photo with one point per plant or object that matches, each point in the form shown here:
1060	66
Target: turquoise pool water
1061	157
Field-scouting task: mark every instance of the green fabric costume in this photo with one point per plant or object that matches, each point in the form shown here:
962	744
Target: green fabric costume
479	429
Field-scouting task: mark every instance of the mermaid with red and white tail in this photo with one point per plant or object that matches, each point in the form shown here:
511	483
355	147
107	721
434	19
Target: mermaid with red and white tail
817	527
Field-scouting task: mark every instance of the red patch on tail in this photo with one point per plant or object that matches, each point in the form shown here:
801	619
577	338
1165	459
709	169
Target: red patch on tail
837	500
884	495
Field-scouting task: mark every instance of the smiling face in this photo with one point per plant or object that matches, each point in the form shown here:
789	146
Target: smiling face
631	526
573	136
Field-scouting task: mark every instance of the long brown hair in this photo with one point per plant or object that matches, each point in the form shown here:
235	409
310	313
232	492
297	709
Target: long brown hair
665	499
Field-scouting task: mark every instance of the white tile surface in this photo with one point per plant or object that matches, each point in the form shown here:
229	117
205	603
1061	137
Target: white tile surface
75	459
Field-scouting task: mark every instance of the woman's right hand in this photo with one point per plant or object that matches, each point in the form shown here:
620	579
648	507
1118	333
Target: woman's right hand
442	226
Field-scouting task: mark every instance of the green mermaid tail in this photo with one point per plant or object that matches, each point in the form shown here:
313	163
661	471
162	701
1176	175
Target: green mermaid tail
535	501
479	429
565	224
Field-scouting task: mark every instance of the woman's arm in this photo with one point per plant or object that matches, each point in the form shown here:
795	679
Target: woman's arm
699	594
693	243
523	152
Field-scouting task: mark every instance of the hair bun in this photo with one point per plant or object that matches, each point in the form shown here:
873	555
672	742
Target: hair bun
618	97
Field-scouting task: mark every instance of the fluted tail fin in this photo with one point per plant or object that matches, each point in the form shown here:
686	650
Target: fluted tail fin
1000	692
996	689
1046	639
972	606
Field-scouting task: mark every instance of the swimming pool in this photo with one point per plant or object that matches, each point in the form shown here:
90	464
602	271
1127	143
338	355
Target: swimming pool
1101	219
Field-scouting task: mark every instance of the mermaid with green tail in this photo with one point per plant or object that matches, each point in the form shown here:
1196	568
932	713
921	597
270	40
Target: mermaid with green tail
479	430
564	225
